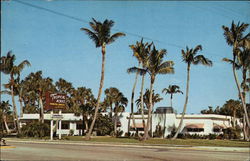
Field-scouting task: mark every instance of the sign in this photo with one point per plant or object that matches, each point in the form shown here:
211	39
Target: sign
55	101
57	117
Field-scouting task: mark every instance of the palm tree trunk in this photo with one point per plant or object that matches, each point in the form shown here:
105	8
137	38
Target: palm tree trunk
42	111
171	98
99	93
21	106
185	105
142	102
132	99
244	129
146	136
241	96
115	125
5	124
86	124
234	118
111	111
16	121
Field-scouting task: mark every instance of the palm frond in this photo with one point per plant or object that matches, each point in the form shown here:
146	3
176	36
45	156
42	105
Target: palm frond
166	68
200	59
115	36
196	49
93	36
5	92
141	71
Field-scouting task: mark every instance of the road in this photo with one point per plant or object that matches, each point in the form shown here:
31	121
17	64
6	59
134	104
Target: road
49	151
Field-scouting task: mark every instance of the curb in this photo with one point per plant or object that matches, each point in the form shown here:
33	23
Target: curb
184	147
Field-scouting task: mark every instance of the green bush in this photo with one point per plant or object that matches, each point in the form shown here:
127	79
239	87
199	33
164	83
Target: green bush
231	133
35	129
104	125
71	132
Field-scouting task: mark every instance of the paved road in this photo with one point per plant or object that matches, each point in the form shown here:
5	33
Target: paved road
48	151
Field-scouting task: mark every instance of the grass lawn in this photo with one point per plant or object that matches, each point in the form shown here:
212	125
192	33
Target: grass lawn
157	141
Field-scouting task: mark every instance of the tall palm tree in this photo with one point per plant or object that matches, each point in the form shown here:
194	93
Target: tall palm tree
100	34
155	65
172	89
190	57
141	52
234	37
8	67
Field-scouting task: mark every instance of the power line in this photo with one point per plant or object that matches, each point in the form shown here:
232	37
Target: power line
85	21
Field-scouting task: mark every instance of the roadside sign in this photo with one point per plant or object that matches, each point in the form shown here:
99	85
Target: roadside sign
57	116
55	101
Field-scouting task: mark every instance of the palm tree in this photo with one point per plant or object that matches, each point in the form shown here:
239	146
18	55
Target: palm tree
109	100
189	56
155	66
100	34
234	37
40	86
233	106
141	52
155	99
172	89
8	67
83	103
4	112
120	103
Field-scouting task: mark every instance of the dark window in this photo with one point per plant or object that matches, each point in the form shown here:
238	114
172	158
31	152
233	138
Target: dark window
139	129
216	130
64	126
195	129
78	126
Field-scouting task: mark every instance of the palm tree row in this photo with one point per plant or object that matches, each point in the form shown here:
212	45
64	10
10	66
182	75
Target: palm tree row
150	61
240	44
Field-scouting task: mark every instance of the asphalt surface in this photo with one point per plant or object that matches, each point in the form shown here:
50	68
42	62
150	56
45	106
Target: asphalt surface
35	150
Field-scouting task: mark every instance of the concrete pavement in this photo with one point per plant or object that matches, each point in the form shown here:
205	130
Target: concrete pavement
159	146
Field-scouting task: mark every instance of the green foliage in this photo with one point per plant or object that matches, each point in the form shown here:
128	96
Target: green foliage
158	131
71	132
35	129
104	125
231	133
228	109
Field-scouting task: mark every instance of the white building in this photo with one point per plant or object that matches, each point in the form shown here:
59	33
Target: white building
203	124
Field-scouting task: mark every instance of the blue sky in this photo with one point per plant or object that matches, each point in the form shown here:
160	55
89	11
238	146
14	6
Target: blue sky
55	44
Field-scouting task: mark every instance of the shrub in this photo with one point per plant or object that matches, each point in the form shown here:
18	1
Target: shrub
35	129
104	125
158	131
71	132
231	133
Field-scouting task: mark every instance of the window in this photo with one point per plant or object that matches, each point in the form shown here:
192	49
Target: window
195	129
65	126
217	130
79	126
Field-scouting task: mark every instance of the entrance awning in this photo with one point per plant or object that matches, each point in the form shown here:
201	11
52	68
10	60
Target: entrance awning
219	126
137	125
194	126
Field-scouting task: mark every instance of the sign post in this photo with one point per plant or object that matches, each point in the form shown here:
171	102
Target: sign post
51	126
60	125
55	101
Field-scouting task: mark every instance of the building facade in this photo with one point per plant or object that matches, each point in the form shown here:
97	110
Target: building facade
202	124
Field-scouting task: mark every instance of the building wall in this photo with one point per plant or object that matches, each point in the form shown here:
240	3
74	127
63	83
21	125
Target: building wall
169	121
